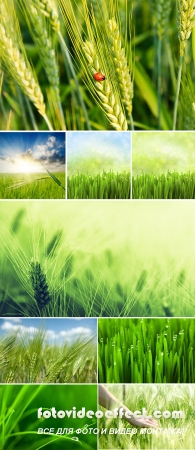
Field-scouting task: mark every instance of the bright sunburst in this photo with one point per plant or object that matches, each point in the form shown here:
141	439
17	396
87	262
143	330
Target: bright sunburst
25	166
29	152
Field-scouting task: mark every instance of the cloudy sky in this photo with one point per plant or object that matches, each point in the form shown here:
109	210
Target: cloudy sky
25	152
92	152
57	330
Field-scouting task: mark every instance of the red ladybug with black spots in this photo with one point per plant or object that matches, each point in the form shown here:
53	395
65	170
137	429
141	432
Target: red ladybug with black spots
98	76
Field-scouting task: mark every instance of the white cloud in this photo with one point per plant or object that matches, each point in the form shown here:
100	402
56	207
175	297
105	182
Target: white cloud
74	332
12	325
9	326
50	334
15	319
51	141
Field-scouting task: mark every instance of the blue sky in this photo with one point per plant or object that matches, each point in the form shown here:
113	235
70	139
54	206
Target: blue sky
95	151
57	330
23	152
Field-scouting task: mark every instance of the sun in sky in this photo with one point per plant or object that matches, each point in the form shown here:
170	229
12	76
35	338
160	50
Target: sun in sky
25	166
30	152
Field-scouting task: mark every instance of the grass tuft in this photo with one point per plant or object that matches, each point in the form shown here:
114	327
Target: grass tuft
172	185
107	185
146	350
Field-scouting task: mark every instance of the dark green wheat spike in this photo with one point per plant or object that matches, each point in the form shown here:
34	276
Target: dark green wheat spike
39	285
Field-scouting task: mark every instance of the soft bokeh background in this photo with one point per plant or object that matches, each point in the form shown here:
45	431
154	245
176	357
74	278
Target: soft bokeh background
108	248
157	153
93	152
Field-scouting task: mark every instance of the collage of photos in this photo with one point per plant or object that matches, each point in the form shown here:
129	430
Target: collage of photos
97	225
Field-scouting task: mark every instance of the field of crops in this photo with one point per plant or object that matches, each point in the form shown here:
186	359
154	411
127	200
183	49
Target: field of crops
171	433
146	350
107	185
32	186
74	259
145	66
32	359
172	185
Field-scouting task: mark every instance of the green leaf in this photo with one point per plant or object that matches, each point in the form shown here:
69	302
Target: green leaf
149	94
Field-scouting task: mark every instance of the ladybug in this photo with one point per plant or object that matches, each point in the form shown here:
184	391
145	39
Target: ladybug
99	76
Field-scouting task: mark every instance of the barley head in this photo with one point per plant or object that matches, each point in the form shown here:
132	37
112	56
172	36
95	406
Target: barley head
163	8
104	91
39	285
14	58
10	376
42	37
50	10
186	21
33	362
121	64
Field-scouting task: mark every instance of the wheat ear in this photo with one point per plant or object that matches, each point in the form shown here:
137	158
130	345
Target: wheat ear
50	10
186	21
162	12
121	65
39	285
14	58
104	91
41	35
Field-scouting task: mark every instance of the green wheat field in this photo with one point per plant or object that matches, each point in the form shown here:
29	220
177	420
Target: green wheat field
146	350
27	359
52	51
32	186
117	260
176	433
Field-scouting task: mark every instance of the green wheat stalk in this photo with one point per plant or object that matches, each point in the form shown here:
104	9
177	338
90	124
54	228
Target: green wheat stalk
39	285
104	91
93	54
50	10
40	30
14	58
186	22
163	9
160	10
121	65
57	181
187	102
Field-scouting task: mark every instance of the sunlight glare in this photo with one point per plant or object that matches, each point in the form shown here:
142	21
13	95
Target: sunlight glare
25	166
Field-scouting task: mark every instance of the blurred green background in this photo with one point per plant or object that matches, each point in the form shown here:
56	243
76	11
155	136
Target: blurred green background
157	153
18	419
